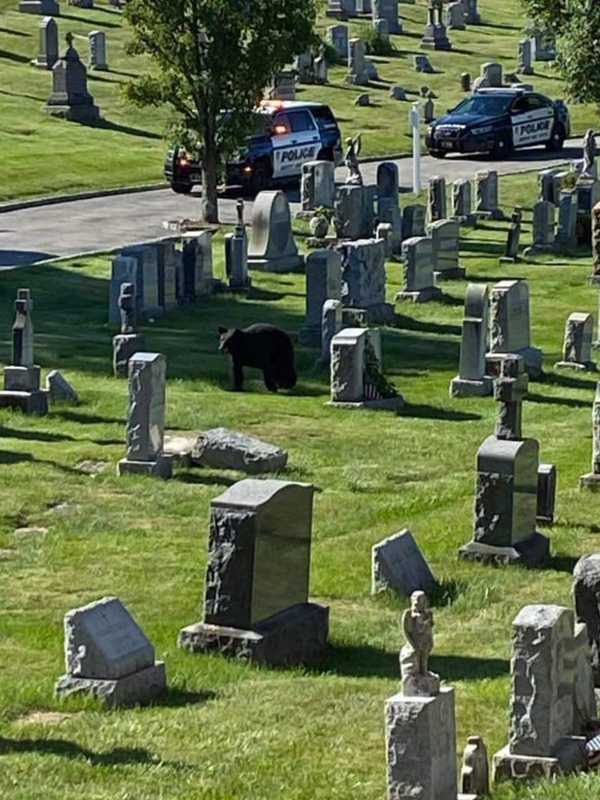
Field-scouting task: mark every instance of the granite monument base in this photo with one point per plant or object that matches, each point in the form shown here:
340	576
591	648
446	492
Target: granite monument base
161	468
297	635
135	689
532	552
277	265
569	757
460	387
81	112
419	295
27	402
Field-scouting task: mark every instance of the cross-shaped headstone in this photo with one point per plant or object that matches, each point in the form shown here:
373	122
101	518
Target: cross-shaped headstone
510	389
22	331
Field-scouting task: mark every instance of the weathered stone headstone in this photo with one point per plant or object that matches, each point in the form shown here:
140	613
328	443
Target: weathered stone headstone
59	389
124	269
471	13
509	324
462	203
475	771
546	494
169	259
353	218
435	36
331	325
387	10
364	278
486	195
108	656
417	268
197	261
577	347
388	208
492	74
256	603
437	207
471	379
455	16
47	8
48	45
128	341
146	281
544	230
221	448
544	46
318	185
146	417
323	282
70	98
271	247
586	596
413	221
236	254
283	86
398	564
525	57
357	63
422	63
552	697
549	186
337	36
592	479
513	238
22	377
97	40
445	238
566	234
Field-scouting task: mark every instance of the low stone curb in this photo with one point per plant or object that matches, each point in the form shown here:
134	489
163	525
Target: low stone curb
18	205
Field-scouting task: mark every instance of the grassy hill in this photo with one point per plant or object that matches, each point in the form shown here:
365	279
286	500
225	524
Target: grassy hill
228	731
42	156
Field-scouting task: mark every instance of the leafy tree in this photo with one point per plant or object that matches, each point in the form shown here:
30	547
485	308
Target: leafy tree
208	56
576	26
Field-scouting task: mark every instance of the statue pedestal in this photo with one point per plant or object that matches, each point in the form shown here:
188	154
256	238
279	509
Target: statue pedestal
421	747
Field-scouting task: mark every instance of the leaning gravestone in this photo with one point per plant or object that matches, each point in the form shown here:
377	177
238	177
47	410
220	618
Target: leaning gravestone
577	347
48	48
417	269
108	656
22	377
70	98
471	379
146	417
552	697
510	326
398	564
59	389
586	596
220	448
256	603
323	282
271	247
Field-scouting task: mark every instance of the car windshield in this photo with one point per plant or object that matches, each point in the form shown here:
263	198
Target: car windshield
488	105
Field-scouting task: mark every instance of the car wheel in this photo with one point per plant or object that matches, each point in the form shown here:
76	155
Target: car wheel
438	153
181	188
557	140
502	148
261	178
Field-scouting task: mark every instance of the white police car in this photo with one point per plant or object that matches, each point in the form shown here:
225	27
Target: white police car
286	135
496	121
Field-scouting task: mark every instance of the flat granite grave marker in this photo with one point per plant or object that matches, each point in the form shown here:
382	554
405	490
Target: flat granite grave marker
271	247
108	656
471	379
398	564
256	603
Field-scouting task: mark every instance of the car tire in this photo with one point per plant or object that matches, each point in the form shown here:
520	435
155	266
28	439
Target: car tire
261	178
437	153
181	188
502	148
557	140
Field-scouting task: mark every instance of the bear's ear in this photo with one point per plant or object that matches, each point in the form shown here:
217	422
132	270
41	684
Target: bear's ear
222	330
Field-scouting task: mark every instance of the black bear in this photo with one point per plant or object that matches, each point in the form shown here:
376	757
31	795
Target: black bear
263	347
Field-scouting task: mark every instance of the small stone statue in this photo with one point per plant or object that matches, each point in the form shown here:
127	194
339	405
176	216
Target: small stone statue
354	146
475	774
417	623
127	308
589	153
239	207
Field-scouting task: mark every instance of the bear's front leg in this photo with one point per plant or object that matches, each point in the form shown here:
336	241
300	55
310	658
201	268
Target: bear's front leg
270	382
238	377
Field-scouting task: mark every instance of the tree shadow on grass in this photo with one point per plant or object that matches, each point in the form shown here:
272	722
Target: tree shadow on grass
569	402
12	32
570	382
92	23
431	412
11	457
19	59
37	436
106	124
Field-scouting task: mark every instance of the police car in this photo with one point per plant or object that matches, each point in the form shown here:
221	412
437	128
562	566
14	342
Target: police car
496	121
286	135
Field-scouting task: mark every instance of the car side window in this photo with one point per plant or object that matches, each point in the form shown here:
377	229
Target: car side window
534	102
520	106
301	121
281	125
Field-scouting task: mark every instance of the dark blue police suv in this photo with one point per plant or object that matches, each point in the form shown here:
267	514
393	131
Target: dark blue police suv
496	121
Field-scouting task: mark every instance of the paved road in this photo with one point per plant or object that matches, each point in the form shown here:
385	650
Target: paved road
106	223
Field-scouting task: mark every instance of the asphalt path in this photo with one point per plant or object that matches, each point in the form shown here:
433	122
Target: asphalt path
71	228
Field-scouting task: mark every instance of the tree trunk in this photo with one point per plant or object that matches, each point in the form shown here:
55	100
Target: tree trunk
210	207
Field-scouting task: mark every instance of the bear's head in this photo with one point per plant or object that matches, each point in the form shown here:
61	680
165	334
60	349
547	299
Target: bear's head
228	338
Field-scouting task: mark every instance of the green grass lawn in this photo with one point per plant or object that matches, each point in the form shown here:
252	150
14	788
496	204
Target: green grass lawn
227	731
41	155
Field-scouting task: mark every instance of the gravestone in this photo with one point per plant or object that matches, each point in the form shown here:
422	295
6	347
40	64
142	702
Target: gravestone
577	347
97	40
510	327
47	8
422	64
387	10
472	13
434	35
507	477
462	202
59	389
323	282
465	81
197	261
124	269
147	278
546	494
357	63
236	254
592	479
413	221
586	597
436	199
283	86
318	185
128	341
455	16
108	656
491	74
486	195
475	771
353	217
417	270
388	207
356	374
256	604
337	36
364	278
22	377
70	98
552	696
169	259
398	564
549	186
525	57
48	44
271	247
566	234
513	238
544	233
595	226
420	725
397	93
471	379
146	417
428	110
445	240
331	325
543	46
221	448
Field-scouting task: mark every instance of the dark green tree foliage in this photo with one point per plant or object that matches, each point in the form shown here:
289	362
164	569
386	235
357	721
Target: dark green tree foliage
212	55
576	26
